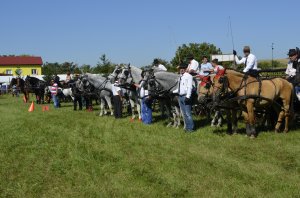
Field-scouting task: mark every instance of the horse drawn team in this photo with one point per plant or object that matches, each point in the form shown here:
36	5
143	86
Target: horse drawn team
207	86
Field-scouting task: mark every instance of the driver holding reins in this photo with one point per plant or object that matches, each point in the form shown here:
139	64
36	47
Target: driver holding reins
249	60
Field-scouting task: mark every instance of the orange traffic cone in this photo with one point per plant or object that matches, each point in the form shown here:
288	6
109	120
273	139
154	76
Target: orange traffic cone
45	108
31	108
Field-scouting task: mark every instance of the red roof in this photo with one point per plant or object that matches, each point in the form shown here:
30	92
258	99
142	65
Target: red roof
20	60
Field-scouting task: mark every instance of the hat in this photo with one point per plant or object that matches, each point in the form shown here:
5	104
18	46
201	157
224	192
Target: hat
155	62
292	52
183	66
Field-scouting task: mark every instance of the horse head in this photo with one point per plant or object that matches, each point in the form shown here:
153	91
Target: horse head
220	85
114	75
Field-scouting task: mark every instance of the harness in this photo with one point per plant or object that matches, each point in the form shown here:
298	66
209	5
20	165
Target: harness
229	97
158	88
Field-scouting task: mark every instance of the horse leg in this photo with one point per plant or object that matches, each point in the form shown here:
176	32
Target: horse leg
279	121
251	119
234	121
229	122
245	115
220	119
177	112
287	110
102	102
138	108
132	109
108	100
213	121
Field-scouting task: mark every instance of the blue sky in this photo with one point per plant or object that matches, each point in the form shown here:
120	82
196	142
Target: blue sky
137	31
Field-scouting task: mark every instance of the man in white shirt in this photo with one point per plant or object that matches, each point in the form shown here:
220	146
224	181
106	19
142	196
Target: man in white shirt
249	60
117	98
185	86
193	65
158	66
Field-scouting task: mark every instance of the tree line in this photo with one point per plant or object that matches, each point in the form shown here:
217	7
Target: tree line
105	66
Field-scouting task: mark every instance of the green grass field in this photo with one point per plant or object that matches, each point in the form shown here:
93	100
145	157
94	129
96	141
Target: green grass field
62	153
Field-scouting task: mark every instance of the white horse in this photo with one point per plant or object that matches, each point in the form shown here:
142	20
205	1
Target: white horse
102	88
128	77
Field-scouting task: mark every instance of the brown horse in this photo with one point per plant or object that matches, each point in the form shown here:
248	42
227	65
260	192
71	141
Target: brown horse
253	94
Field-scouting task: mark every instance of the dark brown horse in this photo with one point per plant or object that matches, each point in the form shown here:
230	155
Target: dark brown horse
205	95
36	86
20	83
252	94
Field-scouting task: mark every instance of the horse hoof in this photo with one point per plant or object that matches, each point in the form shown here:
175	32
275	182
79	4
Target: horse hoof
252	137
277	131
131	120
286	131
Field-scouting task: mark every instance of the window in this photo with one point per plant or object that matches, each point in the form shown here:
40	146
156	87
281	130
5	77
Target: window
34	71
9	71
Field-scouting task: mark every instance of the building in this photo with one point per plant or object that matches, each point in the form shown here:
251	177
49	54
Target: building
25	65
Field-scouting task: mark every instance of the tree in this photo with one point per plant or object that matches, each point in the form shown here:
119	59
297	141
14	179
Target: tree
104	66
51	69
198	50
86	68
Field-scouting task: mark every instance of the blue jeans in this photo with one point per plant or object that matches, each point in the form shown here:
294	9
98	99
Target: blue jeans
146	111
187	113
55	101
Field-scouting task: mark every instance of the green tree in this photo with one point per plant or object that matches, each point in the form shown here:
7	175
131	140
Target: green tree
50	69
198	50
104	66
86	68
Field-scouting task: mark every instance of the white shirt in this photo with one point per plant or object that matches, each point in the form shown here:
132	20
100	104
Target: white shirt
194	65
251	62
185	85
115	89
143	92
290	71
205	69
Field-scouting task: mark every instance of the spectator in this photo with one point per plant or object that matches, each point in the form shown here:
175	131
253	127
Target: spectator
117	98
54	94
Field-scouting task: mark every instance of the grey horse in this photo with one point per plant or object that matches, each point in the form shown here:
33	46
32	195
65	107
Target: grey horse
129	77
102	88
161	85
